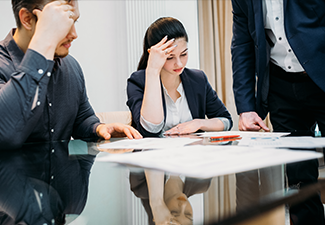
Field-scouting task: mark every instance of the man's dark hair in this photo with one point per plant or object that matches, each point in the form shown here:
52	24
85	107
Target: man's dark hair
30	5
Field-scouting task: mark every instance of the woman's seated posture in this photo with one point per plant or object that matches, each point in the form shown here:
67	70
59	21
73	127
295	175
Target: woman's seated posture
164	96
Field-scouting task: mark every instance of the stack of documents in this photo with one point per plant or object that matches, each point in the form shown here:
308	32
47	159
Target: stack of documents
209	161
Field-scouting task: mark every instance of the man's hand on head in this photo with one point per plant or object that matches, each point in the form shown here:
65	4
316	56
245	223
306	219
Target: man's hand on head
54	22
107	131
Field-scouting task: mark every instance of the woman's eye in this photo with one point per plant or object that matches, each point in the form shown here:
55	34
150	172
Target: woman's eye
184	54
170	58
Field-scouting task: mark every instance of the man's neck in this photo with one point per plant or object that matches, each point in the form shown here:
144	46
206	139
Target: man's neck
22	39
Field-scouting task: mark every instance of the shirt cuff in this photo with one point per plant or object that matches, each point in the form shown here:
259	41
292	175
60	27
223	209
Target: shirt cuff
36	65
150	127
226	123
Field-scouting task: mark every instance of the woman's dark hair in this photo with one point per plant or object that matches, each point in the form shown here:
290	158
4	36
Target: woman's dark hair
163	26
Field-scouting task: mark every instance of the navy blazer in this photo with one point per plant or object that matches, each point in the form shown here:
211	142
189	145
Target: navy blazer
202	99
304	24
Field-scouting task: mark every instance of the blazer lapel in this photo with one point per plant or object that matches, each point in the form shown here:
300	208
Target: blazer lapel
190	95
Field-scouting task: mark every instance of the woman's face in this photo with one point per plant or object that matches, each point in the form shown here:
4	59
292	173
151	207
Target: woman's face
177	59
181	209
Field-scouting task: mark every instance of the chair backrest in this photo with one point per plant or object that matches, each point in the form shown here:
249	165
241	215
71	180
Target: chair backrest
124	117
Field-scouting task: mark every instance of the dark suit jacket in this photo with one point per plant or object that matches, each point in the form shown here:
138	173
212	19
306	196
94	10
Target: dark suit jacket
202	99
305	30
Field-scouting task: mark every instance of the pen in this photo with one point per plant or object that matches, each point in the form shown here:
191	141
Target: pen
226	137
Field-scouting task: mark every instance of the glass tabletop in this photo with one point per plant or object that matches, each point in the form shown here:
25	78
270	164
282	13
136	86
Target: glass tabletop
63	183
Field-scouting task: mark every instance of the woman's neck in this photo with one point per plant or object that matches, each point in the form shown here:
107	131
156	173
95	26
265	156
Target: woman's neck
170	82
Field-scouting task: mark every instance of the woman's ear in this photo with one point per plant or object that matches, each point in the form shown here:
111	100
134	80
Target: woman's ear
27	19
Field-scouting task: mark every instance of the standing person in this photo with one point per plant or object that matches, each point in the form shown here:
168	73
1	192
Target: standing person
42	89
164	96
277	54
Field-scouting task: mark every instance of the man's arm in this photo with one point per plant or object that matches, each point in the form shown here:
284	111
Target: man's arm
22	97
243	65
23	89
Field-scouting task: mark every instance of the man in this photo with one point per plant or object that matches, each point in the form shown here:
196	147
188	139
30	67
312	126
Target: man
277	53
42	90
43	103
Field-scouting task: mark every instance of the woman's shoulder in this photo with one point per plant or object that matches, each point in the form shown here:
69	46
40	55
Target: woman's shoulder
194	74
137	76
138	73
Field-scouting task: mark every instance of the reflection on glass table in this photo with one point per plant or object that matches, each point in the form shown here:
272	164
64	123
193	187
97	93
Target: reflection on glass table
47	183
165	198
41	183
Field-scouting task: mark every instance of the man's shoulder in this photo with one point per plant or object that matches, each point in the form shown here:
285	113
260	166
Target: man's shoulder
6	63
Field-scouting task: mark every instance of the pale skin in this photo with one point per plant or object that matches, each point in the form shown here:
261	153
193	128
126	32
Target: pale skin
250	121
168	203
166	68
51	36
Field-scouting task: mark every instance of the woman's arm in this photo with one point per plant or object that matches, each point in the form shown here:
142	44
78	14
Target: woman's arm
152	107
156	186
214	124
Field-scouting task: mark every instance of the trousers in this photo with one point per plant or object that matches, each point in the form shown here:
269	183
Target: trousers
296	104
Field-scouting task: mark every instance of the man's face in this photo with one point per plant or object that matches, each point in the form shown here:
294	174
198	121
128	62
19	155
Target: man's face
62	49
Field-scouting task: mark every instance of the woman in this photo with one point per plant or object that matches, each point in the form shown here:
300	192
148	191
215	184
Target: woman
164	96
165	198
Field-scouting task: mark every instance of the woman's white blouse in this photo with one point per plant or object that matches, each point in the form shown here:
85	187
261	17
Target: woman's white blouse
176	113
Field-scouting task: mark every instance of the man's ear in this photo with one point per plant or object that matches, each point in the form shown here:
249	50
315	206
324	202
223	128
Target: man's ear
27	19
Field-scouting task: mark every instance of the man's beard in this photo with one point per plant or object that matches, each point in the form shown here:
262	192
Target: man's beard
60	55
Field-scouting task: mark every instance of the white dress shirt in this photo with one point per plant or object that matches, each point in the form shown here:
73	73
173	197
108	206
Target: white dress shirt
176	113
281	54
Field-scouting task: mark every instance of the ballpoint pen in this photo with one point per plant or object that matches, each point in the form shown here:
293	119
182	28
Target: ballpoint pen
225	138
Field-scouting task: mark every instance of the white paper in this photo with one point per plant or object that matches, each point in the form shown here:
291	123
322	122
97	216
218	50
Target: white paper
283	142
148	143
209	161
243	134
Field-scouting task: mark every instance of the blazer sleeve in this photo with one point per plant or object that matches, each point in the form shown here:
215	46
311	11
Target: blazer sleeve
214	106
135	91
243	58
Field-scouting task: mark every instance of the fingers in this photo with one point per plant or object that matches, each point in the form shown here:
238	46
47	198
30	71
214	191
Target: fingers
37	12
128	133
105	135
178	130
163	46
160	43
131	133
107	131
263	126
166	46
250	121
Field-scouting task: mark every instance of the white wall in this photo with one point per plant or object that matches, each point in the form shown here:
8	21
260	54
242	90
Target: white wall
6	18
109	44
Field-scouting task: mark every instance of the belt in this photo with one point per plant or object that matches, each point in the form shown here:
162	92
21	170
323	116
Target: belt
295	77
